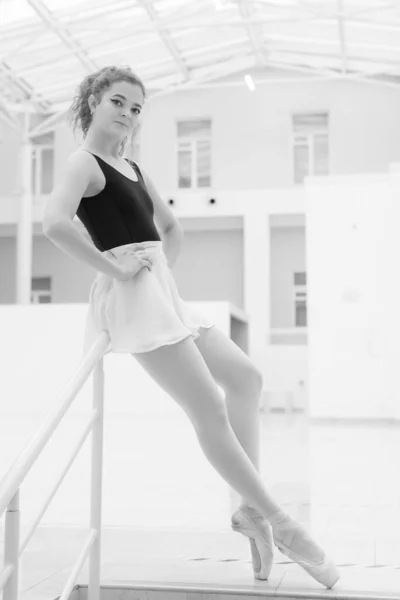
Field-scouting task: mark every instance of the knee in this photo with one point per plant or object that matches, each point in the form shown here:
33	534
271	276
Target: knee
249	382
255	381
211	420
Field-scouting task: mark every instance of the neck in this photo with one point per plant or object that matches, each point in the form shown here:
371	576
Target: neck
99	142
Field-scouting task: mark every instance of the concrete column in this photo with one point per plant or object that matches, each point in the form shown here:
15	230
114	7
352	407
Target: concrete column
257	277
24	224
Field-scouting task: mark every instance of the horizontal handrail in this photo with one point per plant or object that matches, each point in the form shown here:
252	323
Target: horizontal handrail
32	527
11	482
5	575
21	467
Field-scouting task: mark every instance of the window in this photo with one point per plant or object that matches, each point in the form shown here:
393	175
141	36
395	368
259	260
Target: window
300	299
194	153
41	290
310	145
43	164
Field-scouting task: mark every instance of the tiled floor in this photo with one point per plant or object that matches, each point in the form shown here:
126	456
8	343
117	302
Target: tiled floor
212	561
341	481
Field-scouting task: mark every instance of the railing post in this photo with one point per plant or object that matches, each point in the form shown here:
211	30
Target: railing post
96	481
11	547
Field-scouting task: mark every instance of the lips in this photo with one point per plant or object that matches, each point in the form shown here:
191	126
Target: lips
125	125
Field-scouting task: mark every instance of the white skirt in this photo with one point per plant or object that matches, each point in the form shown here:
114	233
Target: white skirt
144	312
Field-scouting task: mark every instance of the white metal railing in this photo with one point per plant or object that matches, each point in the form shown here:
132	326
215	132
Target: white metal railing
10	484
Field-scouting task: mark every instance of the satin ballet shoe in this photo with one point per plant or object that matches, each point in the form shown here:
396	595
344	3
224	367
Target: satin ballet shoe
284	530
260	538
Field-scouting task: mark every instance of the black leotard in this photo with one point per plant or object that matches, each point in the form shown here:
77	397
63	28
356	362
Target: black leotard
122	213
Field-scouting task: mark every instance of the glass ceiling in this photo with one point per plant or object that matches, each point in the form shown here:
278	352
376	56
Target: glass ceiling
48	46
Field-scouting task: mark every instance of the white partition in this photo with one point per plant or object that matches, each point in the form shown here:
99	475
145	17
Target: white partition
353	250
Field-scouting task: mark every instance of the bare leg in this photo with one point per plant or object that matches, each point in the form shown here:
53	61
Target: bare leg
181	371
242	383
244	418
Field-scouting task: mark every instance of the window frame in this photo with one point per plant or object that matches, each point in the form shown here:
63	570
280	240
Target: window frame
191	144
310	143
37	162
43	292
298	292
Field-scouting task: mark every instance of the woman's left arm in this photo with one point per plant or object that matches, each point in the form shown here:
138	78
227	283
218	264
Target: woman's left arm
170	230
172	240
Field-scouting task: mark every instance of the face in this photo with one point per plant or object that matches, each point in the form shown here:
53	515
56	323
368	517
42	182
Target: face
119	109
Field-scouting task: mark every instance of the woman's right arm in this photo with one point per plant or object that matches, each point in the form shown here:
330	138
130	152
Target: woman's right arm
61	208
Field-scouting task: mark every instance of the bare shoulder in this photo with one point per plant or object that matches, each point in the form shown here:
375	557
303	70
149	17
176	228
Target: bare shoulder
77	177
80	159
85	167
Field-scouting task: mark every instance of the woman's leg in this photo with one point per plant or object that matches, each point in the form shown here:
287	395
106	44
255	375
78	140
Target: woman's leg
242	383
181	371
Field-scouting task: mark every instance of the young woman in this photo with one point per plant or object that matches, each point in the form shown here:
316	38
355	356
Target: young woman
135	299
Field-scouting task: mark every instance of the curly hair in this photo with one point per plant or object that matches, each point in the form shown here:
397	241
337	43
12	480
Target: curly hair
96	83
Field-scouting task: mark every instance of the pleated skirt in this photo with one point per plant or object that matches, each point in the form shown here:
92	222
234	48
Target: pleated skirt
143	313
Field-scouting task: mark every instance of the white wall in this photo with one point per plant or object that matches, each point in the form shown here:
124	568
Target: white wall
251	133
210	266
71	279
286	377
216	254
353	245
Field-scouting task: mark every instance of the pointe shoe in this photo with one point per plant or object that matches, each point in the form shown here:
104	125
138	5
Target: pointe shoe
261	542
284	531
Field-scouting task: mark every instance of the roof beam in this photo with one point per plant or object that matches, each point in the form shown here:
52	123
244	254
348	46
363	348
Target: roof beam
17	85
341	21
317	72
350	57
217	51
234	22
333	75
49	124
205	23
166	38
9	118
222	69
60	31
253	31
320	11
332	42
194	23
161	87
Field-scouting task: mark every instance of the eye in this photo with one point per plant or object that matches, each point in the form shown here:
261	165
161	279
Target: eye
134	109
